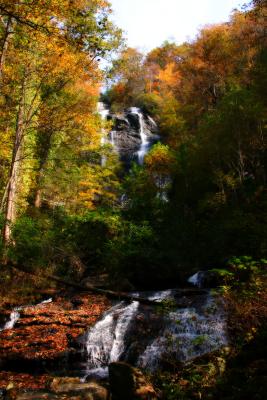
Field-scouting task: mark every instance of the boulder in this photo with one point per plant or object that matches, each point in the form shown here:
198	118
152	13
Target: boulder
92	390
127	382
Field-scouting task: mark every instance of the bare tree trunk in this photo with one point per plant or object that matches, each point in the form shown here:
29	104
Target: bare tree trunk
38	190
12	188
43	150
4	47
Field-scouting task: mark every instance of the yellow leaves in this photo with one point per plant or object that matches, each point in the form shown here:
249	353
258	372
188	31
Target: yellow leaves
160	160
98	185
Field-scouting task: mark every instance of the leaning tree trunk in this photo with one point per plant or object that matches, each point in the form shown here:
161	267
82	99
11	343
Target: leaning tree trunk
12	186
4	46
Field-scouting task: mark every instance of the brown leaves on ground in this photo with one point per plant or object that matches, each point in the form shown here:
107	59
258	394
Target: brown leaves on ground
44	332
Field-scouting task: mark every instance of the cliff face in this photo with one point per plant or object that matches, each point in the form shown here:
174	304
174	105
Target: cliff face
133	133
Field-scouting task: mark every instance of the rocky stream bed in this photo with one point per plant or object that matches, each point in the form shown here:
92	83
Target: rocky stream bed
67	347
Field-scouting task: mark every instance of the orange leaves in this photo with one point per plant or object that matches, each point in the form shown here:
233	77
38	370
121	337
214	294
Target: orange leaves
42	332
169	77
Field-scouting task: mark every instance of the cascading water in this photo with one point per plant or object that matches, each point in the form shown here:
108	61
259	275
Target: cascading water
147	336
15	315
188	333
196	279
145	144
103	112
105	341
132	135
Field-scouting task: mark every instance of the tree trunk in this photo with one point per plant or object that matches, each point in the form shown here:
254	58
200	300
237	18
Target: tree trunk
12	187
43	149
180	293
4	48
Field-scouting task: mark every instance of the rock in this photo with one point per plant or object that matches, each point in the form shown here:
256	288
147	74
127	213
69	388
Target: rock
126	133
121	123
69	385
150	125
42	395
127	382
134	121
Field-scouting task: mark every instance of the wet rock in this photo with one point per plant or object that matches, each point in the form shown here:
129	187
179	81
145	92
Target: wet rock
42	395
121	123
126	133
134	121
150	125
70	385
127	382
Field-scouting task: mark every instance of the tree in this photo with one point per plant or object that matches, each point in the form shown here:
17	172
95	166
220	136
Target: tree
49	89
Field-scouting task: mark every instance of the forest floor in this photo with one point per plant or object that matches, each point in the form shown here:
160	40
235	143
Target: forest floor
46	334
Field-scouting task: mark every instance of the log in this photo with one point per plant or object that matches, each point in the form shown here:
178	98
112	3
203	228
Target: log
110	293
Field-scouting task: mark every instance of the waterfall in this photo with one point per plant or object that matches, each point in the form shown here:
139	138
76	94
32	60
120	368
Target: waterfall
196	279
112	138
15	315
146	337
188	333
145	144
105	342
103	112
132	135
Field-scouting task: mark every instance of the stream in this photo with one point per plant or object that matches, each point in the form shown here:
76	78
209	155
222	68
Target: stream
63	347
150	337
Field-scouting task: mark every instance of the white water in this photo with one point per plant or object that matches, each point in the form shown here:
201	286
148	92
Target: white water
14	317
144	139
182	333
15	314
112	138
103	112
105	341
189	333
196	279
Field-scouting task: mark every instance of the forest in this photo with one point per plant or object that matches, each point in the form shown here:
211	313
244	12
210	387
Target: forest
125	180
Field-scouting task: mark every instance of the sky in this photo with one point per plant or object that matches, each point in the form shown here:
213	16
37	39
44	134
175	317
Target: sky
148	23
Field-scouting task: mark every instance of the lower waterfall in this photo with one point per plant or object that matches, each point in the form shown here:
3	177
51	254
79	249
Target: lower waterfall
148	336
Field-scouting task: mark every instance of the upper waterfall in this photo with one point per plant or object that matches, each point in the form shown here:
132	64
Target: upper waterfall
133	133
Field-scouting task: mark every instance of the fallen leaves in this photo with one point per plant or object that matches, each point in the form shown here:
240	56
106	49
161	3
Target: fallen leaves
46	332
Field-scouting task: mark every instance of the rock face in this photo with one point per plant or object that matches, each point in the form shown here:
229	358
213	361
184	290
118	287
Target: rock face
127	382
62	389
133	131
